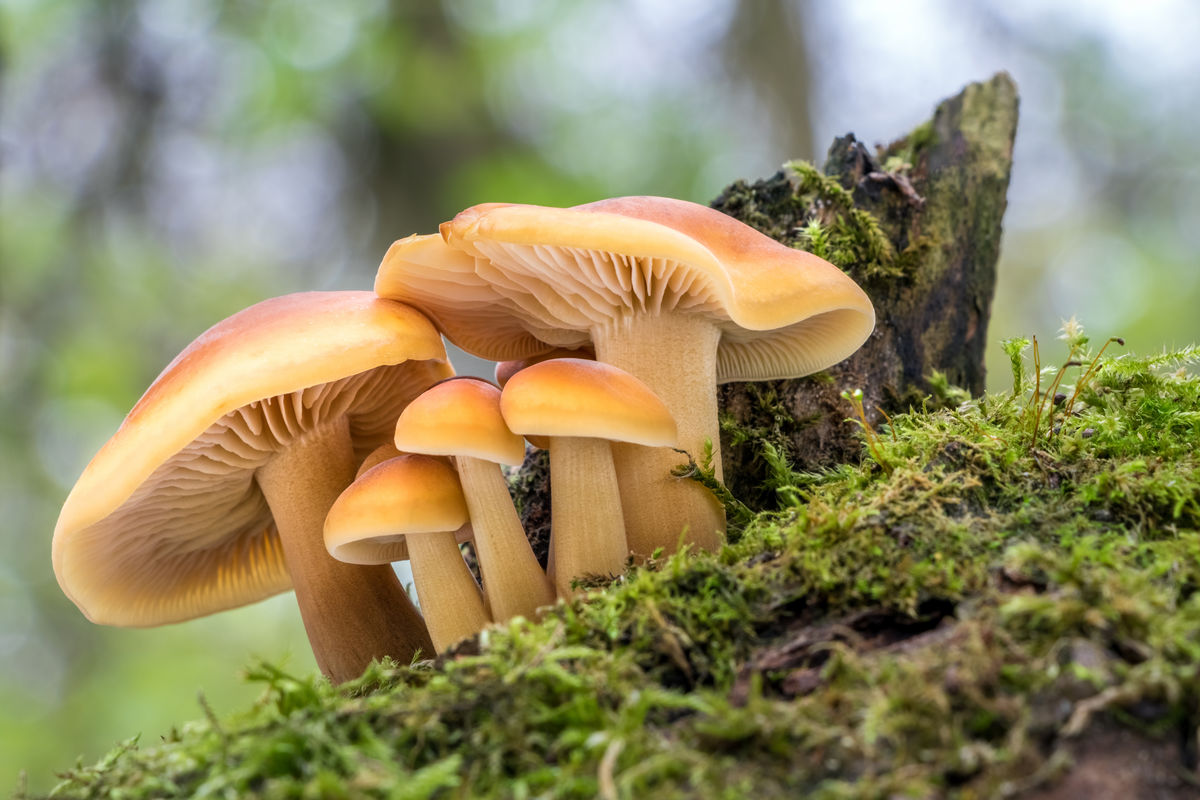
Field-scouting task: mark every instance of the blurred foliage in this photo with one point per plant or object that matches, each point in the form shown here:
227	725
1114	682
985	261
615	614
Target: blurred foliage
1103	222
165	164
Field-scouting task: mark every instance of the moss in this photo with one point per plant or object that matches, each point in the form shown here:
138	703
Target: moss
837	230
947	626
910	149
804	208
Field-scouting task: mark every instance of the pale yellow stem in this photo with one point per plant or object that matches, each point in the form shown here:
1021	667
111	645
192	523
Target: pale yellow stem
513	582
352	613
676	356
450	598
587	531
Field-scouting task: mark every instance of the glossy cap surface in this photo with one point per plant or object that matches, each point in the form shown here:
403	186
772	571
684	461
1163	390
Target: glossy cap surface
404	496
459	417
577	397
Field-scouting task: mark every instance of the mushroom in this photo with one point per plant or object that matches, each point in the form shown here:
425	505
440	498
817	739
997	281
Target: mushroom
213	492
461	418
677	294
411	508
506	369
377	456
581	406
441	281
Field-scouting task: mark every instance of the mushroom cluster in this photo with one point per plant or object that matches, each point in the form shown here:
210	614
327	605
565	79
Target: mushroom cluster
310	440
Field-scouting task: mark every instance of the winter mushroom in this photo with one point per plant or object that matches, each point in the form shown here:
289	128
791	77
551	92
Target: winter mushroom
581	406
506	369
377	456
412	508
677	294
461	418
213	492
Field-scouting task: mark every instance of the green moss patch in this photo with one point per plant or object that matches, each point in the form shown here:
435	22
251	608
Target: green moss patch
1002	587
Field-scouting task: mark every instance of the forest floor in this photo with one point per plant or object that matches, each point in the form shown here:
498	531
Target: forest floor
999	600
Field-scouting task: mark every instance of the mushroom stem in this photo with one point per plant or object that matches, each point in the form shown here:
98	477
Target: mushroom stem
676	356
352	613
587	534
450	598
513	582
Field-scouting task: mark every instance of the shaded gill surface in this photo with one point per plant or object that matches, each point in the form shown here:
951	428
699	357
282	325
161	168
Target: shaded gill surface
197	537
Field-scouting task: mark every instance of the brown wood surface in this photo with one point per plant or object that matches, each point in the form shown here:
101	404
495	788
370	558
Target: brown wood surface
942	214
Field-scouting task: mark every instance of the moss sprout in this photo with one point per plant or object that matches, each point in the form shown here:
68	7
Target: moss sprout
836	229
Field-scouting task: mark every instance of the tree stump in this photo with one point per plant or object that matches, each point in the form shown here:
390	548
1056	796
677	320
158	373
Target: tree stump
938	198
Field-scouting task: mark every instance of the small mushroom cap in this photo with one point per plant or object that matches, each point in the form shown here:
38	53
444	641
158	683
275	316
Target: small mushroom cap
167	521
459	417
506	369
559	273
403	496
577	397
377	456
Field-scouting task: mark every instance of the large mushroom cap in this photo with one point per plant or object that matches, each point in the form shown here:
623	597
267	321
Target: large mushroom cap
441	281
167	522
563	272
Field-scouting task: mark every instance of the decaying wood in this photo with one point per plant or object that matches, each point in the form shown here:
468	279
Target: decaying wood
941	210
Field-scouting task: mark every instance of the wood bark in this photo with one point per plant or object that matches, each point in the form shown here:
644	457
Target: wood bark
941	210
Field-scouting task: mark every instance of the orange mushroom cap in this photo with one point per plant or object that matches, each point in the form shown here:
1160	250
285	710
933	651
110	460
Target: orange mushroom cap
580	398
167	522
408	494
459	417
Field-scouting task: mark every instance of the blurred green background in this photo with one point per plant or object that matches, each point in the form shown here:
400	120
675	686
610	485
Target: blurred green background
164	163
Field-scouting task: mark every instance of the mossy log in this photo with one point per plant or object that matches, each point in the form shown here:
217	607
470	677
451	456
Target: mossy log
1001	604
